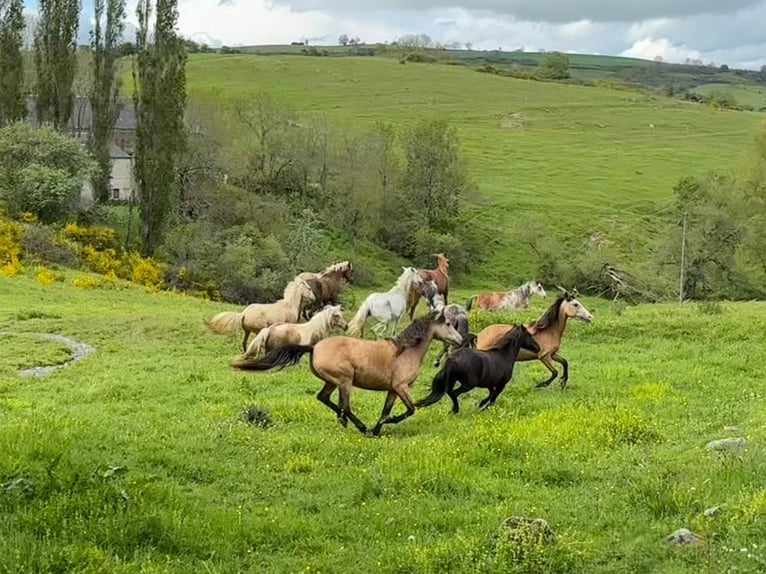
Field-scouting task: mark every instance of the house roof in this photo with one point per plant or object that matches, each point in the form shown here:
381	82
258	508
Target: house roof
82	115
116	152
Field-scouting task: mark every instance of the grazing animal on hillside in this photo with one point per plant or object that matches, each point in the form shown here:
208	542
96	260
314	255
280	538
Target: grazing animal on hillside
387	307
453	313
327	285
515	299
489	369
438	276
547	331
253	318
345	362
281	334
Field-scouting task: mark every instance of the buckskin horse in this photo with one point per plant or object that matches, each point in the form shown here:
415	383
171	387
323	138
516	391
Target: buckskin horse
346	362
547	331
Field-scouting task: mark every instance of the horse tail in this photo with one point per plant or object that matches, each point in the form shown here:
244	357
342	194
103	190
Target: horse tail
469	304
226	323
442	382
472	340
258	346
281	357
356	325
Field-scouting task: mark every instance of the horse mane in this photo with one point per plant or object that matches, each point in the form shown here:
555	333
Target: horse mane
293	286
414	334
335	268
551	316
512	334
400	282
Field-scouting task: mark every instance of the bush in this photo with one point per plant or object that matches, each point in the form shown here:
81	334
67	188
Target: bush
95	237
41	243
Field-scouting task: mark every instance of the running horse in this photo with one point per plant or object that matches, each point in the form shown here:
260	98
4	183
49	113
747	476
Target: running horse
343	363
547	332
326	285
515	299
438	276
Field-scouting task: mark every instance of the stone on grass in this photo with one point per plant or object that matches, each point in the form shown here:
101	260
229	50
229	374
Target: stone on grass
712	511
520	529
683	536
729	444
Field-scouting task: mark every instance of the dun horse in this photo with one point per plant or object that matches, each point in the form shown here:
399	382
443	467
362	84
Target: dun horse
388	307
490	369
516	299
280	334
438	276
258	316
345	362
327	285
547	331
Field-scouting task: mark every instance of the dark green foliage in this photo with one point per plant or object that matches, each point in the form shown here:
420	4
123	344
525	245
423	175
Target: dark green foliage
12	106
106	38
554	66
41	171
159	74
56	60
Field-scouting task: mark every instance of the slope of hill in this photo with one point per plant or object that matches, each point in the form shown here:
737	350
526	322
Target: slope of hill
140	458
548	160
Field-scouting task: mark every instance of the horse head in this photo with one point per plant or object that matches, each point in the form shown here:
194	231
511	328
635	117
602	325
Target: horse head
337	320
574	309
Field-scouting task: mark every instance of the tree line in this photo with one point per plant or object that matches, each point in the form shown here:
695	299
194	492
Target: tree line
159	95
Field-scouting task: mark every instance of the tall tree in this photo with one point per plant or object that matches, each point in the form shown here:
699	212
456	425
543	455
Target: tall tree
12	106
104	102
56	60
159	75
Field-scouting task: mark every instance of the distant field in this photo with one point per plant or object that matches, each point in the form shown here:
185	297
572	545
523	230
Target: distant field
753	96
138	459
564	160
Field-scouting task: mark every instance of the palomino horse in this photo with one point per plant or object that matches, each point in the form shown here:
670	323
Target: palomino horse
258	316
490	369
516	299
388	307
345	362
281	334
327	285
438	276
547	332
453	314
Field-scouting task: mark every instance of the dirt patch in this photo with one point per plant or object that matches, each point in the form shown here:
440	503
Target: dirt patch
513	121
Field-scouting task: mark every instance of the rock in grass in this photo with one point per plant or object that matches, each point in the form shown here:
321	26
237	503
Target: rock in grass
728	444
521	529
731	428
712	511
683	536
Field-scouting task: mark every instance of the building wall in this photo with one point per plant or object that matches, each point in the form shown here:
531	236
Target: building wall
121	186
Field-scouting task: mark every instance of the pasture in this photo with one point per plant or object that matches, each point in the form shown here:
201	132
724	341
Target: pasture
549	162
141	458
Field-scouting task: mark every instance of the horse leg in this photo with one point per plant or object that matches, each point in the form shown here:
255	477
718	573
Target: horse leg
564	363
412	303
345	407
493	394
244	341
455	393
387	406
404	394
323	396
554	373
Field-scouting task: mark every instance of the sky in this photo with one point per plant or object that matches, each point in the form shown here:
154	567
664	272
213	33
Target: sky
719	31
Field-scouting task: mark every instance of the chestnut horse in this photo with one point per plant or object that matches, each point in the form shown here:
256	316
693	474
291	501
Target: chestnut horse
438	276
547	331
327	285
345	362
515	299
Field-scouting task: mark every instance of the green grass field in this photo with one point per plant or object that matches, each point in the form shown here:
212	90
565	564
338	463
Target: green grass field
546	159
137	459
753	96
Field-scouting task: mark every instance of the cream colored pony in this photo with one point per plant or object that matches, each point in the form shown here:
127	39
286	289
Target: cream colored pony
258	316
310	333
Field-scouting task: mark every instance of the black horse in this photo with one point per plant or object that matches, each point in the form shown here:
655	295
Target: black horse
489	369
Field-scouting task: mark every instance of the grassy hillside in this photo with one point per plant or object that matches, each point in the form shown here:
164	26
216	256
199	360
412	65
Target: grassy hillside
548	160
138	458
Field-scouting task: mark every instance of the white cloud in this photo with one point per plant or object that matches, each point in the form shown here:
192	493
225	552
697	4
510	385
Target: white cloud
649	49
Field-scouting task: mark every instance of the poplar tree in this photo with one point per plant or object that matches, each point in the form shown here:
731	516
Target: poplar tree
159	75
104	103
12	106
56	60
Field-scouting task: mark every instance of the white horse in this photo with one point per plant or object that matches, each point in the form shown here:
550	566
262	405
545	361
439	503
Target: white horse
387	307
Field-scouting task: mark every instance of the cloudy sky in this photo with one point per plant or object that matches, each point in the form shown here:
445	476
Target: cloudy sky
720	31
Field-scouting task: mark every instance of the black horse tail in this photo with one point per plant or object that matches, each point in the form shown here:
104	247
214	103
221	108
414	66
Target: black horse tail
471	343
469	304
281	357
442	382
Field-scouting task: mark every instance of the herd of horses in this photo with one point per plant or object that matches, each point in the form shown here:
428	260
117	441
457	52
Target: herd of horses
301	323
